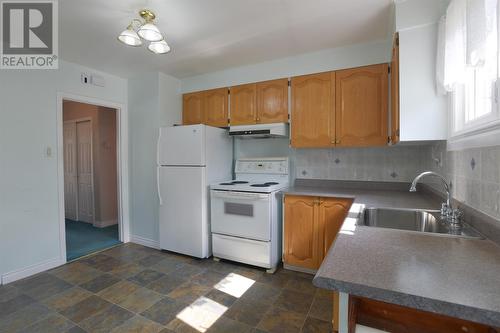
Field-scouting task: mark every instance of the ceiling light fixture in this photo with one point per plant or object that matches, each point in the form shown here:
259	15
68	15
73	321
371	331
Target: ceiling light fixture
159	47
146	30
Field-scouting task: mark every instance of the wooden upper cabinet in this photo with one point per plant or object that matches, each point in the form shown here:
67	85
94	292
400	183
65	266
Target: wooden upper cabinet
395	91
313	110
192	108
244	104
302	246
216	107
332	213
272	101
362	106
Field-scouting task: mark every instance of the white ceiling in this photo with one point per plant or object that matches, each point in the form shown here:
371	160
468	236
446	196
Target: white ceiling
211	35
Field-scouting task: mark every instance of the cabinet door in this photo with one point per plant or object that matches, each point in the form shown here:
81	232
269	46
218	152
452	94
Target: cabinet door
361	113
192	108
272	101
395	91
244	104
302	245
215	107
313	105
332	212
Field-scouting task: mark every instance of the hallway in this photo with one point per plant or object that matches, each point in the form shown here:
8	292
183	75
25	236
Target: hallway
83	238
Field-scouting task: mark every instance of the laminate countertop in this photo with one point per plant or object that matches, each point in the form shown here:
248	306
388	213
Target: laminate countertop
452	276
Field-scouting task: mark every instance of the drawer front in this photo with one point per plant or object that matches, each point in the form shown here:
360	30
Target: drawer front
242	250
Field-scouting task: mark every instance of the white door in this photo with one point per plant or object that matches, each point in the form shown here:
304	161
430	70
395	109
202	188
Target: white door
70	174
184	226
182	145
85	172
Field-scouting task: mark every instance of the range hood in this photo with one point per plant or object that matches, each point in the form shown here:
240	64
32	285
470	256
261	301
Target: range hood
276	130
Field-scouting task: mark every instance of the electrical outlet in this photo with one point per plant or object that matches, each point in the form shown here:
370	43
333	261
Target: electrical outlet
85	78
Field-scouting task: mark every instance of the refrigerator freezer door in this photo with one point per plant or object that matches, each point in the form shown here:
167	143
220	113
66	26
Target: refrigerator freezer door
182	145
184	226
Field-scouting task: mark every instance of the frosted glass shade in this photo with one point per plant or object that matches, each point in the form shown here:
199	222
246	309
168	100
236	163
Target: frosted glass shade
150	32
130	37
160	47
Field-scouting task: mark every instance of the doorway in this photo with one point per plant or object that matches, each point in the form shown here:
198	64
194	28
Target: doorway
90	162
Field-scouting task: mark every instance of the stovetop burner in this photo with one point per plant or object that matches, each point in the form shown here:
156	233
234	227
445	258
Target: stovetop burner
236	182
261	185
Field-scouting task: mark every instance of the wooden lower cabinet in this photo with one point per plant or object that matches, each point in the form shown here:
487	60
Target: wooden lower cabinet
302	244
310	227
335	314
400	319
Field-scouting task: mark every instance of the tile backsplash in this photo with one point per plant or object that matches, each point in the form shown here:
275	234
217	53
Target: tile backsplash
474	174
396	164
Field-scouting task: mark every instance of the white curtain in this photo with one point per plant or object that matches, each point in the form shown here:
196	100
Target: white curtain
455	48
440	58
465	40
481	25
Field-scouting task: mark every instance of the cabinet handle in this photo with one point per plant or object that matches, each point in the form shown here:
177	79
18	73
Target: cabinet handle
337	141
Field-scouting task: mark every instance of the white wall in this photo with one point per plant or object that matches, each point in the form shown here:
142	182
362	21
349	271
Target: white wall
29	221
326	60
416	21
170	100
415	13
154	101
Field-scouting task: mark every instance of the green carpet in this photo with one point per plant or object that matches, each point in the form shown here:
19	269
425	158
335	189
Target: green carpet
83	238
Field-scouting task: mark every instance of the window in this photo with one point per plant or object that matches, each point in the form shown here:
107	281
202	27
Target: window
475	101
468	70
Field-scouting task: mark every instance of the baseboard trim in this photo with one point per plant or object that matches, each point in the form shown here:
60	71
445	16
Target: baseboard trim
31	270
104	224
145	242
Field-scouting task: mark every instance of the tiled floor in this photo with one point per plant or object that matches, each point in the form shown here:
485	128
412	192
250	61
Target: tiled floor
131	288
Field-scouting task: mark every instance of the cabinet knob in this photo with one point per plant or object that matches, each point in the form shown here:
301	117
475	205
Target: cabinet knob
337	141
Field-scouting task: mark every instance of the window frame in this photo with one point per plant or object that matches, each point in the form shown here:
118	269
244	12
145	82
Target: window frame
482	132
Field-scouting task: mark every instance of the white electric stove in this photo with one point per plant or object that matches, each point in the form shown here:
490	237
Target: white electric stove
246	212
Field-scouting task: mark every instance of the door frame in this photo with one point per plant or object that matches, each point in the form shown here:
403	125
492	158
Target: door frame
79	120
122	165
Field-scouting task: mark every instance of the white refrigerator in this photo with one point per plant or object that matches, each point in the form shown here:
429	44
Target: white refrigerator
190	158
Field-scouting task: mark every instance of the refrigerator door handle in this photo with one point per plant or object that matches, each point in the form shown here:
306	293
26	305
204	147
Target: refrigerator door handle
158	185
158	147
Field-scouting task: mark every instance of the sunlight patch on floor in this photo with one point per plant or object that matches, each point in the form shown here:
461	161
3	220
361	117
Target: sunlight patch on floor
234	284
202	313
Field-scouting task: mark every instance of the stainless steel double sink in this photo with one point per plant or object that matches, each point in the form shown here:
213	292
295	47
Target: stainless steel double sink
428	221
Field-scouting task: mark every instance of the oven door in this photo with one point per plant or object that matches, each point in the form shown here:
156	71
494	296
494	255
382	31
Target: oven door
241	214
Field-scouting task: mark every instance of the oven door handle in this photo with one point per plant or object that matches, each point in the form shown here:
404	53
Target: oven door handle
239	195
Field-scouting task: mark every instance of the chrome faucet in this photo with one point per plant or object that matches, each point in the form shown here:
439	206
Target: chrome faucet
453	216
